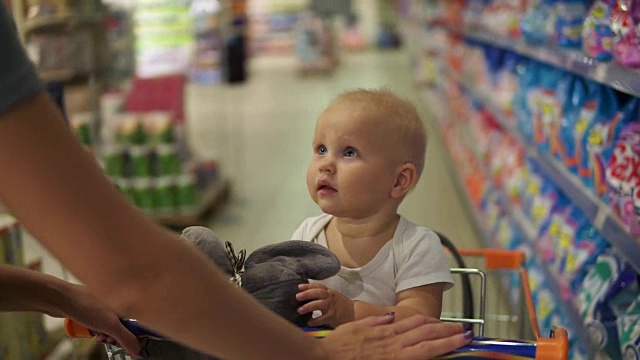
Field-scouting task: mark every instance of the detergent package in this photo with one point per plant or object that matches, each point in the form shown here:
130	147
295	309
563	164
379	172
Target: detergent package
629	331
601	141
606	108
579	245
550	232
527	77
608	289
597	36
568	95
542	198
568	27
626	41
623	174
564	148
546	107
538	22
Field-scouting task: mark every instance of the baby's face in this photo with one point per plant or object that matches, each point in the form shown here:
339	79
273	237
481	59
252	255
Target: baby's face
355	157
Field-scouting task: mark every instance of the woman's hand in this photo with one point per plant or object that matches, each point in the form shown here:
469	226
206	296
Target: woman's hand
375	338
336	308
92	313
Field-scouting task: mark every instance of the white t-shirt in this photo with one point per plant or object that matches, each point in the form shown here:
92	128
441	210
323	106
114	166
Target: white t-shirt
414	257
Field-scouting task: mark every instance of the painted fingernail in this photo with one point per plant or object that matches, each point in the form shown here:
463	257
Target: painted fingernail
467	326
390	314
468	334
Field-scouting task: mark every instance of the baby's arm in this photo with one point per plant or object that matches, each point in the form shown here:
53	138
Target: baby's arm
337	309
425	300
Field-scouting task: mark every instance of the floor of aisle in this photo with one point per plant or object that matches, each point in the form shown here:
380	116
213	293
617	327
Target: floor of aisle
261	133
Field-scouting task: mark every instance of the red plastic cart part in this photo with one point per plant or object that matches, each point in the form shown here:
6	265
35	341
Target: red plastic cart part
75	330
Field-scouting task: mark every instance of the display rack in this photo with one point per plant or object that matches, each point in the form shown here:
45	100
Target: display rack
597	212
210	198
626	80
524	226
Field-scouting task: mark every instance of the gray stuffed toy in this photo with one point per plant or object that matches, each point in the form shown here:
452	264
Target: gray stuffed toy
271	274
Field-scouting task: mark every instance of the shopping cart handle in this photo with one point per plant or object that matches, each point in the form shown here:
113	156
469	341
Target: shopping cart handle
75	330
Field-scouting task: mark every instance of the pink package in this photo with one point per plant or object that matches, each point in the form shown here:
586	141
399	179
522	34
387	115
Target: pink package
626	41
623	177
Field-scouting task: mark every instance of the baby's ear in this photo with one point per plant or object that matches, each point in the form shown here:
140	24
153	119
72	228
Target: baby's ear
207	241
309	259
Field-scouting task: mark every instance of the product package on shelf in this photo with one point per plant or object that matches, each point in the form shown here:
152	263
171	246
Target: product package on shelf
145	152
609	288
555	129
145	162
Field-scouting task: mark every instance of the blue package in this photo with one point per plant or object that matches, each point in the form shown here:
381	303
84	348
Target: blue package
597	35
609	286
567	86
527	77
607	106
545	106
538	22
601	141
576	101
569	21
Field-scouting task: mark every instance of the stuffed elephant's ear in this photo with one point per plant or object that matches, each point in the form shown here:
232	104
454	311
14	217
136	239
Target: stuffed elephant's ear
304	257
207	241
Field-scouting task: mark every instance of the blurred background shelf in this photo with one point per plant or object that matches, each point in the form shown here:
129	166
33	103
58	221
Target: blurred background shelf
210	198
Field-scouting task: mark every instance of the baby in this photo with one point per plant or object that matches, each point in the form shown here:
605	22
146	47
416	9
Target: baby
368	152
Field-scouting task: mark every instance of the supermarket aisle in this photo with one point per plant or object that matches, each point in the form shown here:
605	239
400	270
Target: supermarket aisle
261	131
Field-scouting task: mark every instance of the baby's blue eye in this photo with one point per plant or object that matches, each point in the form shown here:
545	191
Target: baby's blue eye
351	152
322	149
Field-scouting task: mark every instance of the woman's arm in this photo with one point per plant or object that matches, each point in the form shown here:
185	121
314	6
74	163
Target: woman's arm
140	269
28	290
145	272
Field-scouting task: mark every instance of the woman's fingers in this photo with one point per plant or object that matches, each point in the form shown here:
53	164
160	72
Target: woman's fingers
418	322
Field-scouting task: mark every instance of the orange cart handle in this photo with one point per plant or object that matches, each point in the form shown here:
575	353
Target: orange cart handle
75	330
554	348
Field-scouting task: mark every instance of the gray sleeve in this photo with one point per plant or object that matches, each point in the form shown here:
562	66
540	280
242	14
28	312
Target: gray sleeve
18	78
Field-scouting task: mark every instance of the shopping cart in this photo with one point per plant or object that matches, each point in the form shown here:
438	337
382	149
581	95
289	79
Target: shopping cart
509	318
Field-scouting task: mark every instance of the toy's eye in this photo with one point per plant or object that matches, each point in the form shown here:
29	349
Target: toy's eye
322	150
350	152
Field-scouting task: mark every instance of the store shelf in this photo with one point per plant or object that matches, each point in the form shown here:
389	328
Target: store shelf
59	20
62	75
210	198
598	213
563	298
623	79
477	221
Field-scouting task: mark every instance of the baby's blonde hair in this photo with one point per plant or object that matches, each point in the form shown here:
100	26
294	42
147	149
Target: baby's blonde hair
408	125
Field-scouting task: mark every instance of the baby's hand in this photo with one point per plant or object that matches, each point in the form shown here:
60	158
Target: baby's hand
336	308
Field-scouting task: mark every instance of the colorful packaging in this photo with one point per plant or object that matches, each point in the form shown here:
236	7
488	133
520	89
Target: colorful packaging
626	41
609	286
565	144
600	141
597	36
568	27
623	173
527	77
546	108
568	94
538	22
604	105
629	331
